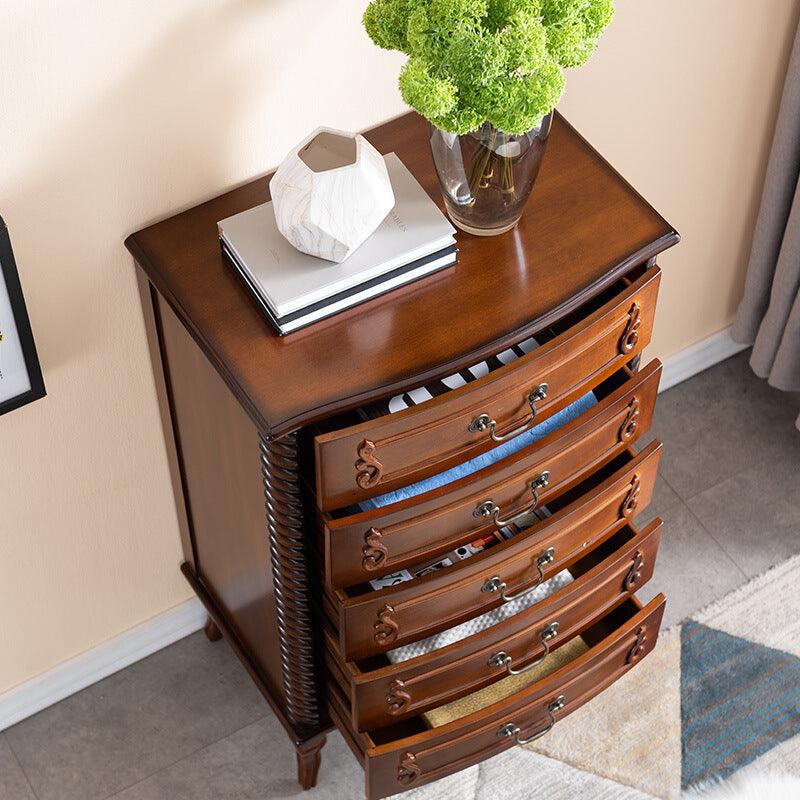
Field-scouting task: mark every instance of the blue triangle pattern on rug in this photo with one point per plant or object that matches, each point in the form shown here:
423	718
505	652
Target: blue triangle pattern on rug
739	699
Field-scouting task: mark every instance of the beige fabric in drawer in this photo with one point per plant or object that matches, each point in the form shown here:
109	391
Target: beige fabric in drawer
498	691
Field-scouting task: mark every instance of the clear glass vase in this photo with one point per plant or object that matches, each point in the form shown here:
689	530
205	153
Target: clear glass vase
487	175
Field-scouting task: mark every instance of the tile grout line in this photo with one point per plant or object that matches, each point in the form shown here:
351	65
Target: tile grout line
674	490
685	501
21	768
764	460
714	539
179	760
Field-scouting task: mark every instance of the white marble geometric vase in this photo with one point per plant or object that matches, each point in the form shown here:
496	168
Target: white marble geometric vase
331	193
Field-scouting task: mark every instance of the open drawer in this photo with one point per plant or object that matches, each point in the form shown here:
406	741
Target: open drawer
370	458
381	692
370	621
419	750
359	547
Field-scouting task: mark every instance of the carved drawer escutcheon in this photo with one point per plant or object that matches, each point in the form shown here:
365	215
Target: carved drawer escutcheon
635	573
375	552
631	501
637	651
397	698
385	627
408	770
369	470
630	426
630	339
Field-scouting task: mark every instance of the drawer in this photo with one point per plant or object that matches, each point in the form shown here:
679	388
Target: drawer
413	752
369	622
373	457
381	693
360	547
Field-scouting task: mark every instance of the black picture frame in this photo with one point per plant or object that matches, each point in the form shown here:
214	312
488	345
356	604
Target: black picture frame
10	276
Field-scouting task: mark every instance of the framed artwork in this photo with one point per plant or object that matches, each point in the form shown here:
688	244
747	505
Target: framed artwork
20	374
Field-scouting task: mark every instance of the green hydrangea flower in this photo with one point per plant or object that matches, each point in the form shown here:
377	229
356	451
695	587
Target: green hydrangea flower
521	104
386	22
473	61
475	58
597	16
502	10
525	41
432	97
568	42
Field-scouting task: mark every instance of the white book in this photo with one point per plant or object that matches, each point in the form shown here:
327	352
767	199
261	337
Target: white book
288	281
300	319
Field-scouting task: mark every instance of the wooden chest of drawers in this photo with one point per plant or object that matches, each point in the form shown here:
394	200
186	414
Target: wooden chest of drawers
423	674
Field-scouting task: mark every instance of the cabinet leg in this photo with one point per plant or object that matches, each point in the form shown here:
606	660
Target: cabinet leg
211	631
309	757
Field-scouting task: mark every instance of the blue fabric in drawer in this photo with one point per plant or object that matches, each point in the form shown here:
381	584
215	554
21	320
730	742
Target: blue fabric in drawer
485	459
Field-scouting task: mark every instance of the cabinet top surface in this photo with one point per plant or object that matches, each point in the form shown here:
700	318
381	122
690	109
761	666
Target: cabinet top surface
582	228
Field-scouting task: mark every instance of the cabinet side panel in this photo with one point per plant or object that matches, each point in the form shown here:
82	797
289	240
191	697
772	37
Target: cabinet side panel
219	449
148	296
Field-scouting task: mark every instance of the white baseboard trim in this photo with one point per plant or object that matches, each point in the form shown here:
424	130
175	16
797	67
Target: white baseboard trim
87	668
165	629
698	357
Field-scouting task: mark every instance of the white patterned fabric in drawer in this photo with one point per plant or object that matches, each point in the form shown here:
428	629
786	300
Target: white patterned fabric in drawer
481	623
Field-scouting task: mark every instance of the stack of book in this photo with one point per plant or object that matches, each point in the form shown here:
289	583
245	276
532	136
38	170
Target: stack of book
294	289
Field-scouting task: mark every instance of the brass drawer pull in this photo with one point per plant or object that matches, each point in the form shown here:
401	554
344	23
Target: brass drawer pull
503	659
489	509
513	730
484	422
495	584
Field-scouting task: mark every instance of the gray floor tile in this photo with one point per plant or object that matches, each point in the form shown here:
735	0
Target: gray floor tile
664	498
136	722
255	763
692	569
13	783
755	516
719	423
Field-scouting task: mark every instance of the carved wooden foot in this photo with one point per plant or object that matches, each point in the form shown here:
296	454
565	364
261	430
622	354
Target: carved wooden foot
211	631
309	757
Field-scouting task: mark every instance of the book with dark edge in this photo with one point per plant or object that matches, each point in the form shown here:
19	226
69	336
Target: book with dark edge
428	265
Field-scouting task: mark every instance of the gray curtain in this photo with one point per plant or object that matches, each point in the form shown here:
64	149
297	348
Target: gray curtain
769	314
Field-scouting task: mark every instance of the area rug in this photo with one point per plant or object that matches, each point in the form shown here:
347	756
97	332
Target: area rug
720	692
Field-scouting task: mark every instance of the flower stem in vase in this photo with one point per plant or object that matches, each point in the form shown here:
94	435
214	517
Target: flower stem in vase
483	167
508	176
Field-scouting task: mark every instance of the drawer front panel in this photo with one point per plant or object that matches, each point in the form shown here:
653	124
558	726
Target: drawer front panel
374	457
410	688
363	546
376	621
412	761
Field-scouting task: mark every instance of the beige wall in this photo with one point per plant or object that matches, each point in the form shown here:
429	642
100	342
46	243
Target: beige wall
682	97
113	114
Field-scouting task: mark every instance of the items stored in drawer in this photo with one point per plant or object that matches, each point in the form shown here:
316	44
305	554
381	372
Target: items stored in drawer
362	546
369	622
381	692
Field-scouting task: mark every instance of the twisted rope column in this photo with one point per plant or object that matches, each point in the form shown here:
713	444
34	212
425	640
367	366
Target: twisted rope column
290	576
